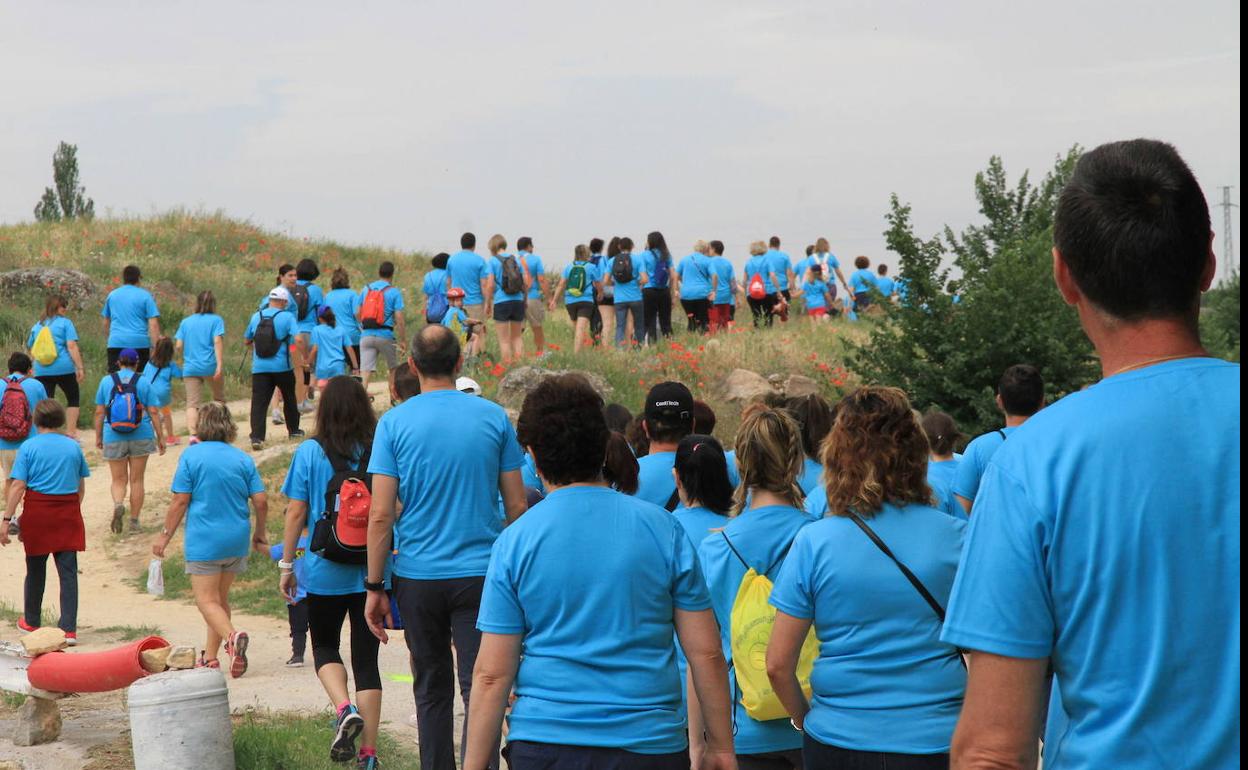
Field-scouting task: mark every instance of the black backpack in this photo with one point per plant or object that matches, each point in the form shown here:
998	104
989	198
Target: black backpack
325	541
622	268
299	295
265	339
513	277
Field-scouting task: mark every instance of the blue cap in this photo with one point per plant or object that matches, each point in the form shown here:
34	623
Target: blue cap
129	355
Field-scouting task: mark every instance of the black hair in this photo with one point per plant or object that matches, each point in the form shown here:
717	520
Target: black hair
656	243
561	422
283	269
130	274
524	243
406	383
667	431
703	417
307	270
386	270
1022	390
19	363
620	468
625	244
435	351
814	416
617	416
344	417
882	269
613	247
595	245
862	262
637	438
440	260
1132	225
326	314
942	433
774	242
717	248
702	468
467	241
810	249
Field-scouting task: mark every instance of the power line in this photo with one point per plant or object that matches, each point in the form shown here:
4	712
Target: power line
1228	236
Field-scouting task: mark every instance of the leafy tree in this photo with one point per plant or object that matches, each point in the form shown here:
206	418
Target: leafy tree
1219	319
949	355
68	200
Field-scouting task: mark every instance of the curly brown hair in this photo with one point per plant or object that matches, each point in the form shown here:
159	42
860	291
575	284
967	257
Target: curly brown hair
875	454
769	456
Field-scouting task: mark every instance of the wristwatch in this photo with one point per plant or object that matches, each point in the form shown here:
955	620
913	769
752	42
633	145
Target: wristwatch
378	586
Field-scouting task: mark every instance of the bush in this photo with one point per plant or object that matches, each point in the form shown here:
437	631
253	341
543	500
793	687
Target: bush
1219	319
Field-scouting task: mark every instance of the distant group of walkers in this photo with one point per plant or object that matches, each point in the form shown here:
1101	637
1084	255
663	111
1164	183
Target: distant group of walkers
842	589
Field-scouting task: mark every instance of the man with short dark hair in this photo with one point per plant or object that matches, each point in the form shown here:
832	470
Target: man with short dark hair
668	417
535	305
1020	394
1105	545
782	265
469	271
448	455
130	318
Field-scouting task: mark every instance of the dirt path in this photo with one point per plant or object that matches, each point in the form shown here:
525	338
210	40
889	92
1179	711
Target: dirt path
108	597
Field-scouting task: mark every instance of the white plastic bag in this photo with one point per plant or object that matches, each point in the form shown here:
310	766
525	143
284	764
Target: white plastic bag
155	578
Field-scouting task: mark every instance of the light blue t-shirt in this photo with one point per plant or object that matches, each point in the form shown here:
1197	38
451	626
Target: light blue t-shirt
761	536
220	480
695	276
940	476
780	264
467	270
316	297
448	480
393	304
647	261
817	502
884	681
128	309
761	267
331	355
1092	546
284	327
814	293
599	664
592	276
433	283
159	382
344	303
975	461
826	260
722	268
734	473
105	391
198	333
50	463
299	562
812	472
307	481
35	392
496	269
624	292
63	332
886	285
862	281
536	270
698	522
655	483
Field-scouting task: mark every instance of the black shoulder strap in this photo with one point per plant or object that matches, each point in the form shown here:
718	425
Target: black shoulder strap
337	461
746	564
673	501
914	580
734	550
121	386
1003	436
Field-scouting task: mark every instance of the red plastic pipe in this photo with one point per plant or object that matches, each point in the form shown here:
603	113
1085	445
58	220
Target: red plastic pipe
92	671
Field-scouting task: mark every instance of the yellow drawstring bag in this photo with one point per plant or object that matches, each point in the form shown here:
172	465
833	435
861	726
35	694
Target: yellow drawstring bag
44	349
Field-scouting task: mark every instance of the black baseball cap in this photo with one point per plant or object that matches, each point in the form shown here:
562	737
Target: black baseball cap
669	402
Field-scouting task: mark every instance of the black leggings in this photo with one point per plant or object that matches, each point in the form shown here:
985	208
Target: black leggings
699	313
820	756
656	310
764	309
66	382
262	386
325	617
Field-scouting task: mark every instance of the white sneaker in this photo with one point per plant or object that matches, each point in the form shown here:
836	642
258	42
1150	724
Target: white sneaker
278	419
306	406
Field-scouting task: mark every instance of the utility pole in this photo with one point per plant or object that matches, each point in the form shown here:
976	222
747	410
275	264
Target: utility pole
1228	243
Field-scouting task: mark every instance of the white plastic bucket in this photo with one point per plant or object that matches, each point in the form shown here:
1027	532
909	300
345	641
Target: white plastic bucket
181	719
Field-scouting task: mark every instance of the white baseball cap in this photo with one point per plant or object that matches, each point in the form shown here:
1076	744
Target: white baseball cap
468	385
279	292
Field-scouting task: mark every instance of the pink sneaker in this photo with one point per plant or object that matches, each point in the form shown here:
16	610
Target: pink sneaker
192	441
171	441
236	648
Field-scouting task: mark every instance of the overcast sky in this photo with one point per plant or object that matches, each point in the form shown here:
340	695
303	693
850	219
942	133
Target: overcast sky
404	123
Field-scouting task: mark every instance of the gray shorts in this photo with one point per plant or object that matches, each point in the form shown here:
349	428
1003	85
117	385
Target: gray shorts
121	450
372	347
237	565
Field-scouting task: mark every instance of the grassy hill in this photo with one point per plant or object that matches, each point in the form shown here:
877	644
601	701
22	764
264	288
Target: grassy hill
182	253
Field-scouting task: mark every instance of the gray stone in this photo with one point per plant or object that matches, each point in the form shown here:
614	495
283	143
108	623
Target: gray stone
181	657
38	722
798	385
517	383
742	385
77	286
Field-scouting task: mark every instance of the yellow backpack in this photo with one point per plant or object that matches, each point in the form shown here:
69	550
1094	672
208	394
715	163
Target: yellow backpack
44	350
749	632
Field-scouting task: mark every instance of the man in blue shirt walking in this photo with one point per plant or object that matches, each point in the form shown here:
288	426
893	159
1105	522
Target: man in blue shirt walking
131	318
1020	394
468	270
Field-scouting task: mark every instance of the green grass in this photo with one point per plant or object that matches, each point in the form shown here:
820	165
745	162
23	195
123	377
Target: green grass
9	615
11	701
288	742
130	633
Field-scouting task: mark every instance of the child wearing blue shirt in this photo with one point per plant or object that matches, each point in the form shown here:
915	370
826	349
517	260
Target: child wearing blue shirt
296	607
158	375
818	294
331	348
456	318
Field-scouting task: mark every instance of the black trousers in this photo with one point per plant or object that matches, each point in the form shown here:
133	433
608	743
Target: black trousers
262	386
656	309
113	353
820	756
699	313
297	615
435	614
771	760
37	580
764	310
528	755
326	615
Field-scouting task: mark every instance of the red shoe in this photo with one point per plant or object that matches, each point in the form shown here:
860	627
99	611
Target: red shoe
22	625
71	638
204	663
236	648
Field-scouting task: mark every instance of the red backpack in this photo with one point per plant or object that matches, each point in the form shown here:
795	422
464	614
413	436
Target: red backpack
373	309
757	289
14	411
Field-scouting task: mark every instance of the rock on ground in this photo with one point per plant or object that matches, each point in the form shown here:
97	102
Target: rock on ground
798	385
519	381
77	286
742	385
38	721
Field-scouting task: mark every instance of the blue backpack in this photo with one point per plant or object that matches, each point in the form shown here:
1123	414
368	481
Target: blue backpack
125	410
436	307
662	271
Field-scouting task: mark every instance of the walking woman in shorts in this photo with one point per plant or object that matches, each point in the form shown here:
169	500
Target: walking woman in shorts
47	479
126	451
201	345
509	308
212	487
65	371
335	592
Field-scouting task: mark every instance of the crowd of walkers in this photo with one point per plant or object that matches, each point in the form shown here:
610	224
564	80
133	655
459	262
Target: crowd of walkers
842	589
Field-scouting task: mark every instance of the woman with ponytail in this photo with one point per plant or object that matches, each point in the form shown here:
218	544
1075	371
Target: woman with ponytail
701	473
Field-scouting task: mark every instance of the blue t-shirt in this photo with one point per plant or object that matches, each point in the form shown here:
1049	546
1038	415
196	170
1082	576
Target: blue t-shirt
198	334
780	264
698	522
128	309
456	320
592	276
886	285
306	481
695	276
813	291
159	382
884	681
528	474
316	297
1091	545
722	268
331	354
826	260
105	391
393	304
63	332
284	327
862	281
496	269
344	303
448	480
817	502
812	472
940	476
434	283
760	266
624	292
647	262
761	536
599	664
975	461
536	270
300	564
655	483
467	270
35	392
50	463
734	473
220	480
